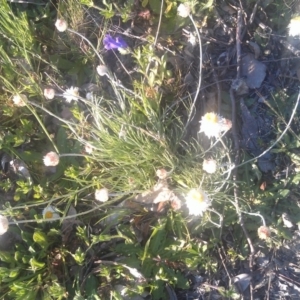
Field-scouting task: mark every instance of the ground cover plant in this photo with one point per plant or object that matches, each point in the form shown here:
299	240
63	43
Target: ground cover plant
149	149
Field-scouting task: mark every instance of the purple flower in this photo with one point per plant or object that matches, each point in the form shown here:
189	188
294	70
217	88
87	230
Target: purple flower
113	43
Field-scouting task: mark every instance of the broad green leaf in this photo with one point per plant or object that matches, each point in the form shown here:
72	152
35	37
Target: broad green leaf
36	265
41	239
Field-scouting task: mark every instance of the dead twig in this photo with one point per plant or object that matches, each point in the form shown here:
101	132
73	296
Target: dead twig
238	43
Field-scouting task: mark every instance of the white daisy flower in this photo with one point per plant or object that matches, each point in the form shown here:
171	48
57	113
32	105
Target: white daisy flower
20	100
209	165
49	213
71	94
294	27
213	125
49	93
51	159
3	224
197	202
61	25
102	195
183	10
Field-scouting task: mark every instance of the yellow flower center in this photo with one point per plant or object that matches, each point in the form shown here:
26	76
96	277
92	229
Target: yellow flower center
49	215
211	117
197	196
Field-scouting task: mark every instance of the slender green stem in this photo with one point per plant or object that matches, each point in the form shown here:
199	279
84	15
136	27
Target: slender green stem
43	127
92	46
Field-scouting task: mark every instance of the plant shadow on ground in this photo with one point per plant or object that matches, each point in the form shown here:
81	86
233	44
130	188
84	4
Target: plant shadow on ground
142	205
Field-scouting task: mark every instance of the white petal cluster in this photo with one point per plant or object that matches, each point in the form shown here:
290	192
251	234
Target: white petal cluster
102	195
20	100
3	224
294	27
213	125
61	25
49	213
197	202
71	94
51	159
209	165
183	10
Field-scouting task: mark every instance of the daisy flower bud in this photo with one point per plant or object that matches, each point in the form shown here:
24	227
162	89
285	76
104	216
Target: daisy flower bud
102	70
20	100
3	224
161	173
197	202
49	213
183	10
101	195
61	25
49	93
51	159
264	232
210	166
71	94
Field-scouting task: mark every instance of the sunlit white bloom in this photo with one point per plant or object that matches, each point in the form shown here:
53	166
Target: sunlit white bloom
88	148
50	213
213	125
49	93
264	232
51	159
161	173
197	202
294	27
71	94
210	166
183	10
102	195
102	70
20	100
3	224
61	25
